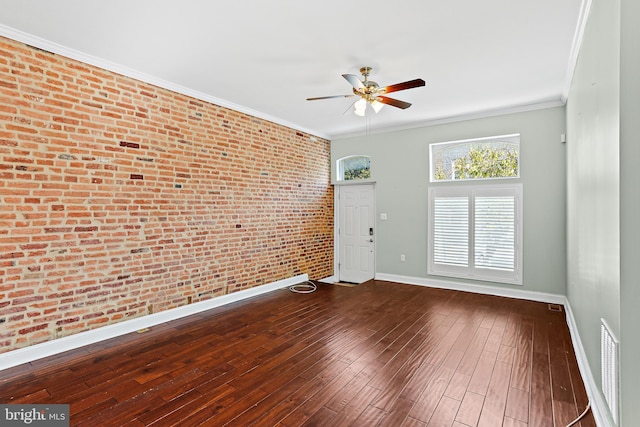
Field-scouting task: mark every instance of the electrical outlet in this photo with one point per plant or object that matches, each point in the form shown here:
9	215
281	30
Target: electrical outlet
402	258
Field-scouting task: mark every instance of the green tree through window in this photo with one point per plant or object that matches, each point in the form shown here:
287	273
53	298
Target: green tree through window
482	158
361	173
487	162
354	168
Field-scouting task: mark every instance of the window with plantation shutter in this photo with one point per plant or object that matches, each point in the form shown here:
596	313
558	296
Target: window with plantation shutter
494	225
451	231
475	232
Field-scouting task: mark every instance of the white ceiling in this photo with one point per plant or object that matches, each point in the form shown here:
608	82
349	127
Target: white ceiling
265	58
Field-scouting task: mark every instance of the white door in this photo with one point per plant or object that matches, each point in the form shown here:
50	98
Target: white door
356	233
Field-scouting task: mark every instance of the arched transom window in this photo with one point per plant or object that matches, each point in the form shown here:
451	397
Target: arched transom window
354	168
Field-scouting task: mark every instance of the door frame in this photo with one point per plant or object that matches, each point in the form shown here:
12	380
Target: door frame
336	225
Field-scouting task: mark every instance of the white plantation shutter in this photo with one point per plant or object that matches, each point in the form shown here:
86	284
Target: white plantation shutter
475	232
494	223
451	231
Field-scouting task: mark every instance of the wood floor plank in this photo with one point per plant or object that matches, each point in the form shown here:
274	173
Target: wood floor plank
564	412
510	337
89	415
541	336
457	386
495	338
472	355
341	398
322	417
517	405
293	401
440	351
506	354
416	385
510	422
380	353
495	402
407	362
445	412
540	403
356	406
404	349
198	406
521	375
273	398
470	408
397	414
333	380
412	422
479	382
561	389
221	409
428	401
371	416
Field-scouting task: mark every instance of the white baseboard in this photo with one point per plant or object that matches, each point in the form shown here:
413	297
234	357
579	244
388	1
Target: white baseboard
599	406
49	348
514	292
71	342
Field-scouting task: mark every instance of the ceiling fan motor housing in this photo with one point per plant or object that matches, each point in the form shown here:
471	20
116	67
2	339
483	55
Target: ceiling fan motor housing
370	88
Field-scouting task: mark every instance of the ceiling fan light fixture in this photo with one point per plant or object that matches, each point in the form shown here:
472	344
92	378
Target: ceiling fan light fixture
377	105
360	107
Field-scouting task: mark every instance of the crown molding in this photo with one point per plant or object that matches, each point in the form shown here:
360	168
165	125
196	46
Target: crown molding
58	49
539	105
578	36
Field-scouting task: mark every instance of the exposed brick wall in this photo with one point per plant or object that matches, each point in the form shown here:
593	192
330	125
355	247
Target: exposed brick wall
118	198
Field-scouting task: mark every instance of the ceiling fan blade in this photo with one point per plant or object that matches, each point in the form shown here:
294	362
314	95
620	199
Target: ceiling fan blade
330	97
354	81
393	102
402	86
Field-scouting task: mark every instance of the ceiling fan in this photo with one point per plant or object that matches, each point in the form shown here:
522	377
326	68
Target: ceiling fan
371	93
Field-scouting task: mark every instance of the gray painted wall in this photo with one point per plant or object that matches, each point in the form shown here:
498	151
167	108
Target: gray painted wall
593	181
603	235
629	208
400	168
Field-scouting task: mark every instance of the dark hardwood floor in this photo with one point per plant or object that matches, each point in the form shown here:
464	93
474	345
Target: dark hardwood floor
379	353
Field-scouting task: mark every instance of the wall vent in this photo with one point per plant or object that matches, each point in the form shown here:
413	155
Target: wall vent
609	364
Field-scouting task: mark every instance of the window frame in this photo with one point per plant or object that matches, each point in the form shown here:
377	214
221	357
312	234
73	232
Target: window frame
340	170
514	277
471	142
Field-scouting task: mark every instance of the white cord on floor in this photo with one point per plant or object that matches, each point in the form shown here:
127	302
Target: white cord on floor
303	288
581	415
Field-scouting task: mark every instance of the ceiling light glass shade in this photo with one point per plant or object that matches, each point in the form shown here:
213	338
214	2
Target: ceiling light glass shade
377	105
360	107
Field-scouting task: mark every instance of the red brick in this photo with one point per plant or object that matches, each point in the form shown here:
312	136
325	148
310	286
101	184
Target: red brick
31	329
110	246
